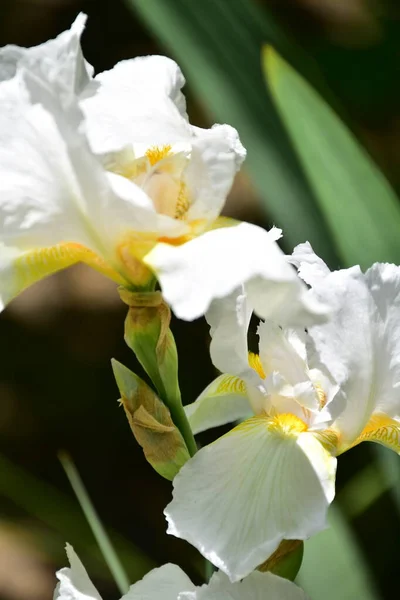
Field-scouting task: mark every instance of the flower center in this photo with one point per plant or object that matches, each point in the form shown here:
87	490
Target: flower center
160	174
287	424
157	153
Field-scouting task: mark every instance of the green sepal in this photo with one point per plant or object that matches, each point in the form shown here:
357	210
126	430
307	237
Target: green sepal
147	333
286	560
151	423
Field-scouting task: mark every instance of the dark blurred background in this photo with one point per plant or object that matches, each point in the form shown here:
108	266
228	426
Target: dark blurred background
57	388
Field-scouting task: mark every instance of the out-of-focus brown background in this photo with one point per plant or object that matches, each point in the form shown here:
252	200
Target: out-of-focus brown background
57	388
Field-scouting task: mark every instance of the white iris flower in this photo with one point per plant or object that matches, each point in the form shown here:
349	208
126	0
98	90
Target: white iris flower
305	398
169	582
108	171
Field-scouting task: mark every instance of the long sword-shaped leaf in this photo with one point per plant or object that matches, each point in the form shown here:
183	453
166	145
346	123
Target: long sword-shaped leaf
361	208
218	46
110	556
50	506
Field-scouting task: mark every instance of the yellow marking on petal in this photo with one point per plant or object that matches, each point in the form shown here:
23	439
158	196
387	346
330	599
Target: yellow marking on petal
197	227
287	424
230	384
37	264
321	395
221	222
157	153
131	251
256	364
383	430
284	424
182	202
329	439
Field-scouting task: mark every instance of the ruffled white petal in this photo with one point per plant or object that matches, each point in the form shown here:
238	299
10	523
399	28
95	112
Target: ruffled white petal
53	191
213	265
223	401
257	586
164	583
169	582
311	267
360	344
347	347
138	101
40	199
59	61
217	154
278	355
383	281
74	582
229	320
237	498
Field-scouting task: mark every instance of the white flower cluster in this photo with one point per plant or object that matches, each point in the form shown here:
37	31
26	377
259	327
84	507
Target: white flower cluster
107	170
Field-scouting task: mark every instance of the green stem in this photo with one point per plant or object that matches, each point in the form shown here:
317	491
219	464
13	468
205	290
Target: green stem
181	421
99	532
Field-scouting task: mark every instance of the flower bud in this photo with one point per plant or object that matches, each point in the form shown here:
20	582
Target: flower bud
151	423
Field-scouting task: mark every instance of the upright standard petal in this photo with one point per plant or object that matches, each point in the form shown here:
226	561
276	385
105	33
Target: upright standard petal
139	101
359	346
216	155
229	320
269	479
138	107
74	582
213	265
59	61
311	267
383	281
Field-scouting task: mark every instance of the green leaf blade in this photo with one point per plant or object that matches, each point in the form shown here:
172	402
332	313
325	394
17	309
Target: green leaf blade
361	208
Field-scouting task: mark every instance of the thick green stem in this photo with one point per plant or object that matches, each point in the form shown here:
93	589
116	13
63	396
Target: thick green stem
148	334
181	421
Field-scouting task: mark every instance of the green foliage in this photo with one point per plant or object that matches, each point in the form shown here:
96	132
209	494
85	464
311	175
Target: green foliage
102	538
48	505
361	208
333	566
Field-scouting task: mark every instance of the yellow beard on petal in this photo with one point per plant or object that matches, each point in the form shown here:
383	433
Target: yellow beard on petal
381	429
231	384
285	424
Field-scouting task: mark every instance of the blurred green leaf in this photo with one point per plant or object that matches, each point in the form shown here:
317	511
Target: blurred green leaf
58	511
333	566
218	46
100	533
360	206
389	464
